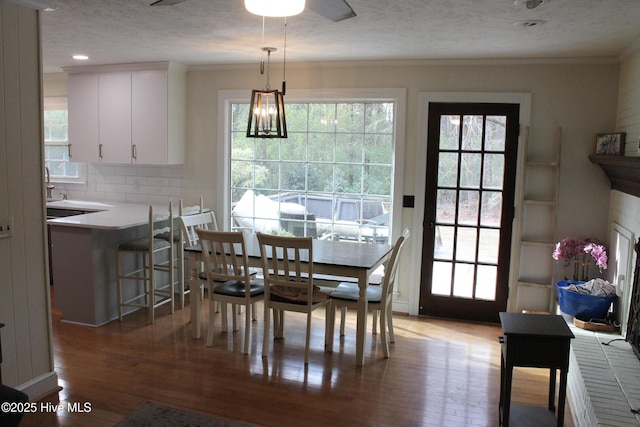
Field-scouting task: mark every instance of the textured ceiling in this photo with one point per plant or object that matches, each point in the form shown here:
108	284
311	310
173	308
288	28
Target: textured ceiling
199	32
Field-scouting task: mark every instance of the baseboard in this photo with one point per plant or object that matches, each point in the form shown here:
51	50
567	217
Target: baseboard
40	386
401	307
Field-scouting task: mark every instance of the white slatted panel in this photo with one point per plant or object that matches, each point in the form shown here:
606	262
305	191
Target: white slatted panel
603	381
27	362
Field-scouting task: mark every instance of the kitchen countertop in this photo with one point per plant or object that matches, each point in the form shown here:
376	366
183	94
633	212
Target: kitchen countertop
105	215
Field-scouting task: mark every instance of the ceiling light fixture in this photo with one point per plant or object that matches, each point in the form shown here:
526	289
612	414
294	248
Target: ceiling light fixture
80	57
530	4
266	111
530	23
275	8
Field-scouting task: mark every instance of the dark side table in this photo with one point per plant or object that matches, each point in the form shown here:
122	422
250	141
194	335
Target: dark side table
1	326
534	341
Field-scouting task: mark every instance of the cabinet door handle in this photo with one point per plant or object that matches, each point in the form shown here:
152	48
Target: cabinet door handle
100	150
69	151
134	151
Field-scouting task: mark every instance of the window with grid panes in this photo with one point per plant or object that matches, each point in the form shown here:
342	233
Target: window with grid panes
56	142
332	178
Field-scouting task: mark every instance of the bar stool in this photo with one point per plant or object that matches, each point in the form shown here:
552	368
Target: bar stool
157	255
178	239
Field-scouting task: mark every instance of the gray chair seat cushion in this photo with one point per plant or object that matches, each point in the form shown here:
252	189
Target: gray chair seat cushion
351	292
236	288
142	245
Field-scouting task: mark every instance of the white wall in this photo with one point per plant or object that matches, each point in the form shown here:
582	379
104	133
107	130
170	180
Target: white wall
24	299
580	97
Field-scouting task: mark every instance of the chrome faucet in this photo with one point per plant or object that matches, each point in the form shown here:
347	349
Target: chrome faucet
49	186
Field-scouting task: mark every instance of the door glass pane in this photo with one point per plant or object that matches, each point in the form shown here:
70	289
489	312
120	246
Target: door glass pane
491	210
463	281
470	168
468	207
466	244
444	242
448	170
441	278
472	133
489	245
449	132
493	174
495	133
446	206
486	283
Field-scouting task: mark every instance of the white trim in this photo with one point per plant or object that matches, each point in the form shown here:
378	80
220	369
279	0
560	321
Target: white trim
396	95
55	102
403	63
624	279
40	386
424	98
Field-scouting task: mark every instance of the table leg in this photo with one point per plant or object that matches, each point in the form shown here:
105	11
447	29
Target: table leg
562	395
330	320
552	390
361	329
506	395
195	297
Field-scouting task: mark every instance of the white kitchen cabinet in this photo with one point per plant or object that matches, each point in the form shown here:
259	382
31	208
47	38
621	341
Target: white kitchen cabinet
83	118
114	128
137	114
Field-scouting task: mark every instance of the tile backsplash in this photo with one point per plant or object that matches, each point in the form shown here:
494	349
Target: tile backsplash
147	184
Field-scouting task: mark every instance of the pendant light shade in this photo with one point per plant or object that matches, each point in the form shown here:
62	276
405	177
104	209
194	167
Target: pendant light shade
275	8
266	115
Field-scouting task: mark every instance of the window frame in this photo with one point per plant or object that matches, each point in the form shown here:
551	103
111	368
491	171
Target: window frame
397	96
61	103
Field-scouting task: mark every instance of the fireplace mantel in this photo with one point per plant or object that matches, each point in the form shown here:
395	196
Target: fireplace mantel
623	172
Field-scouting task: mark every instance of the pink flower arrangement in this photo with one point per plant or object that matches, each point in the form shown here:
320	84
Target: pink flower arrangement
581	253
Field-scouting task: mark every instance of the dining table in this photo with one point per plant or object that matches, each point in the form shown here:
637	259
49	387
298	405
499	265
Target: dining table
344	260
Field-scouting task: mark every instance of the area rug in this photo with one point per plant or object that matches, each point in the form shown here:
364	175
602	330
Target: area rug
156	415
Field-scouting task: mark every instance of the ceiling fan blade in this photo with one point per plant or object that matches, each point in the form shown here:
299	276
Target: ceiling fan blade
335	10
35	4
166	2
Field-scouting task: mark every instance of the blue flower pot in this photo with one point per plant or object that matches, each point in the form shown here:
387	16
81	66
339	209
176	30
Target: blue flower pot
582	306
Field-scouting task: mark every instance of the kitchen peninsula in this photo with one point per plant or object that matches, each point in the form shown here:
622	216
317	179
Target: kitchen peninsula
83	251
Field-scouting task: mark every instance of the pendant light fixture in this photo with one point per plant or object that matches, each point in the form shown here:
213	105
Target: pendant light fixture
266	111
275	8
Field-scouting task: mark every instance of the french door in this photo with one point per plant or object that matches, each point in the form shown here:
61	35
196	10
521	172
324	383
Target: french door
469	209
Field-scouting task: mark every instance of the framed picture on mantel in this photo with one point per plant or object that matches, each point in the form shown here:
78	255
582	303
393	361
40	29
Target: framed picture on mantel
610	143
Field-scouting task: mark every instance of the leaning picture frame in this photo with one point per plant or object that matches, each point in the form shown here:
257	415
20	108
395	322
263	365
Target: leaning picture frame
610	143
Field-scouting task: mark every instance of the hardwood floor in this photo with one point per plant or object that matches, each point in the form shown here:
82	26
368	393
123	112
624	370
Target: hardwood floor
441	373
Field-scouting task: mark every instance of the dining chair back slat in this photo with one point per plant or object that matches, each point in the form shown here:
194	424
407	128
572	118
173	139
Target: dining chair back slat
189	224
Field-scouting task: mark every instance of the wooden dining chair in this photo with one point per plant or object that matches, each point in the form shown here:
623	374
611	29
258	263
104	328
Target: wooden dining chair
379	298
156	255
227	269
288	278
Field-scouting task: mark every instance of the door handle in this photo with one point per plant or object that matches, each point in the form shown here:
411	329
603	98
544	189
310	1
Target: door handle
100	150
